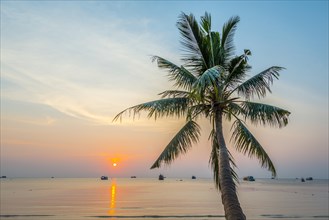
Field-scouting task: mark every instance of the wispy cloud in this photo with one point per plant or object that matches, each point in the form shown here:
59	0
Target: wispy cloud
86	70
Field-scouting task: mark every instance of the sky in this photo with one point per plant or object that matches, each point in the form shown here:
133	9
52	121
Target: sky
68	67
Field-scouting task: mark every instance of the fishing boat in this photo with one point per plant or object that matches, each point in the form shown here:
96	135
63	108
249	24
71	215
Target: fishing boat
249	178
104	178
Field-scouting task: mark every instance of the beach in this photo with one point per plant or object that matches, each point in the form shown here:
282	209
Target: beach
149	198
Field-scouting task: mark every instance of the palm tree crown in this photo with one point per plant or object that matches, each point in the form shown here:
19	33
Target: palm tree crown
212	83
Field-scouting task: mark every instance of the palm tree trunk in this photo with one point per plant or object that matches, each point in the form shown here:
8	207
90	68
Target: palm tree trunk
230	199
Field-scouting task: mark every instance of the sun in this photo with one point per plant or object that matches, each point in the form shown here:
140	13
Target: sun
114	164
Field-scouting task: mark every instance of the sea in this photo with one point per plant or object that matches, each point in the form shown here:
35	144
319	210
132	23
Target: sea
150	198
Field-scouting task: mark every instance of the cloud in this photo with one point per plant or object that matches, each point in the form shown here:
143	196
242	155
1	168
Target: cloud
86	70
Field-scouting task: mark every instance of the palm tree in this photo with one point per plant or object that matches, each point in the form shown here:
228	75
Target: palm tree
212	83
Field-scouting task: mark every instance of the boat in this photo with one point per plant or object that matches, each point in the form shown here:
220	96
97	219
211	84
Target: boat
104	178
249	178
309	178
302	180
161	177
193	177
133	177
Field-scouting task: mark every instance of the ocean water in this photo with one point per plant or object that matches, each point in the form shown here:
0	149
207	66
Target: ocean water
119	198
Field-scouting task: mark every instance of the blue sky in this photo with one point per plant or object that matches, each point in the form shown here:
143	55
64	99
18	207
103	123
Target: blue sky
67	67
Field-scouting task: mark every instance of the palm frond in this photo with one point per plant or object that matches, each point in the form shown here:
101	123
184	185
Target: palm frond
246	143
214	164
228	32
181	76
174	94
264	114
232	110
159	108
206	22
199	109
209	79
180	144
206	27
233	166
218	50
237	69
260	83
196	56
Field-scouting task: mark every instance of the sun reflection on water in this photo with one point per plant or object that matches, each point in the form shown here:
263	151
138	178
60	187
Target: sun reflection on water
112	200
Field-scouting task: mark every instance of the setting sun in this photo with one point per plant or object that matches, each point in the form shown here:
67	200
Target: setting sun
114	164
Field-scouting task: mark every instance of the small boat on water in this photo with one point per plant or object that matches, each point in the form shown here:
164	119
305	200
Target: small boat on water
249	178
161	177
133	177
104	178
309	178
193	177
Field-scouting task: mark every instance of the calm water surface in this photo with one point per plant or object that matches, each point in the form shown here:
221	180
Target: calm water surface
153	199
